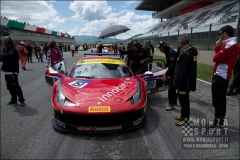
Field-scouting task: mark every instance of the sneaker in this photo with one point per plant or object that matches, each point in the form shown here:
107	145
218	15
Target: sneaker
24	68
180	123
11	102
169	107
22	104
178	118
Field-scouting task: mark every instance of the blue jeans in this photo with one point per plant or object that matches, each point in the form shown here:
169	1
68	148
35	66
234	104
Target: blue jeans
40	57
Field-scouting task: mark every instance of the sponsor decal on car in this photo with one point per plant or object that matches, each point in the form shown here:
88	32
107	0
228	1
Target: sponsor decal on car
94	109
115	90
109	61
79	83
60	124
94	128
137	122
86	94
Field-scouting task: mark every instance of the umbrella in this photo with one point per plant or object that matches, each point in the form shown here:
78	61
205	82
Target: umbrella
113	31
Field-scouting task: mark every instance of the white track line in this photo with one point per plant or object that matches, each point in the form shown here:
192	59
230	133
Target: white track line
204	81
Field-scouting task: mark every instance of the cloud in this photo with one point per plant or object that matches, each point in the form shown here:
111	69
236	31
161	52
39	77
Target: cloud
89	10
128	3
33	12
143	24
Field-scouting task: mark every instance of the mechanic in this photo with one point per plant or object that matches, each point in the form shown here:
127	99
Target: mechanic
150	49
138	57
225	58
185	76
171	58
10	67
127	52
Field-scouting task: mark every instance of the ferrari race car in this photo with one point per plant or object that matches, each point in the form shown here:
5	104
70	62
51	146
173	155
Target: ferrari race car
101	94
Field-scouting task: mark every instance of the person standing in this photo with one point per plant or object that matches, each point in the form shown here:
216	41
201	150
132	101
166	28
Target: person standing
10	67
138	57
226	53
23	55
185	77
36	51
40	52
171	58
150	49
54	54
72	48
29	54
122	48
45	48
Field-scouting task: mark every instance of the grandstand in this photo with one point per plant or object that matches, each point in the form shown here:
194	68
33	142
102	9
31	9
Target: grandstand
194	17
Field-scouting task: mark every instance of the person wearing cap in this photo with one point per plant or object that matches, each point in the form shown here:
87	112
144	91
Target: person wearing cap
23	54
138	57
150	49
171	59
10	68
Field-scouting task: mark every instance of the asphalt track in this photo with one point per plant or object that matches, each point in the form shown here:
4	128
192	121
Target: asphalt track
26	132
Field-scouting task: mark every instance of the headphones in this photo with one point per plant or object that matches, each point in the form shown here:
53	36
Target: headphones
163	44
8	40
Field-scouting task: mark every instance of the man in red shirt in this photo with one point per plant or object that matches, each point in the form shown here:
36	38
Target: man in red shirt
226	53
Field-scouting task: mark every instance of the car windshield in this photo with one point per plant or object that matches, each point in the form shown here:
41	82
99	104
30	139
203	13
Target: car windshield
100	70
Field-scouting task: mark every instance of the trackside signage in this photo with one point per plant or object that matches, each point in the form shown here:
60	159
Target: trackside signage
94	109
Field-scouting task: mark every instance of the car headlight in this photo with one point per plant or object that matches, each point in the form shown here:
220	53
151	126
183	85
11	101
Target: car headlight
61	99
137	96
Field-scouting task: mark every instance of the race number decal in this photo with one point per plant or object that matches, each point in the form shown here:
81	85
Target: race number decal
79	83
151	84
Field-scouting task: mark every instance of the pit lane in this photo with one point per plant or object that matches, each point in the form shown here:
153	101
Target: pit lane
27	133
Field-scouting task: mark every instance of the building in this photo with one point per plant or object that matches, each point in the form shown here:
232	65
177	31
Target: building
22	31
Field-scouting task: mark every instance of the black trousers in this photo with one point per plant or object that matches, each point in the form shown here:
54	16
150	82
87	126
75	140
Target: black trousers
236	81
150	63
172	95
183	96
14	88
29	55
36	54
219	89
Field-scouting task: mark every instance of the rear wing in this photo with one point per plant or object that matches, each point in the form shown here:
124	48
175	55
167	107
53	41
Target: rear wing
102	54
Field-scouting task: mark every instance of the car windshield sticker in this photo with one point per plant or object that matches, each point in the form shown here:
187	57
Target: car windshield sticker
79	83
109	61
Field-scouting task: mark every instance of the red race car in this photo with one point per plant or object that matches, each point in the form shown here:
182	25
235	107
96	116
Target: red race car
100	94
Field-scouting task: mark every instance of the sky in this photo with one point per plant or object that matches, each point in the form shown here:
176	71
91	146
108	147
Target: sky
80	17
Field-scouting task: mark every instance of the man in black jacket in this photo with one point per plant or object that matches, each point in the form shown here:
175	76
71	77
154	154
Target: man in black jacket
138	58
150	50
29	54
10	67
185	76
171	58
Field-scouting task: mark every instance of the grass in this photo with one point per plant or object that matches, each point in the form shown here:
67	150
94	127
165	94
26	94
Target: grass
204	72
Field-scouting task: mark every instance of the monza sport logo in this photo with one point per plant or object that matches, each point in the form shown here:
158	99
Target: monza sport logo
201	133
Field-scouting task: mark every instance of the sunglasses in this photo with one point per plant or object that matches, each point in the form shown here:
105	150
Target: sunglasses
220	34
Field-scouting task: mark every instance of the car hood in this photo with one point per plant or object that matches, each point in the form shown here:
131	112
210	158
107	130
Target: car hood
99	91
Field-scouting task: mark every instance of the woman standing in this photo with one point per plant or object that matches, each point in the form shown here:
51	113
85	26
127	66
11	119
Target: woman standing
54	54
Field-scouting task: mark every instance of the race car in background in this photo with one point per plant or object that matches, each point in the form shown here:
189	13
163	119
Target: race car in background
100	94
